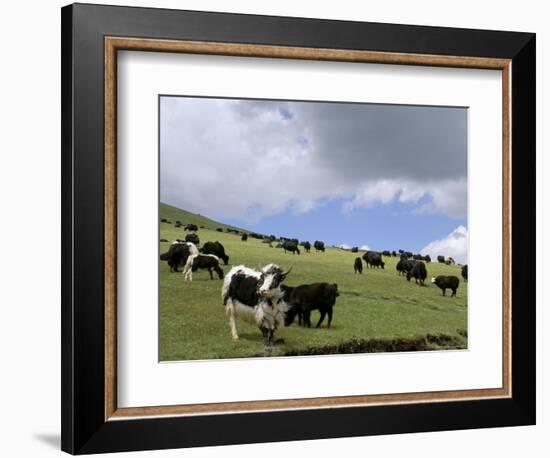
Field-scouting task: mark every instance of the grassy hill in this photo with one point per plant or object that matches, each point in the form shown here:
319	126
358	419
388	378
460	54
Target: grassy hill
174	214
376	311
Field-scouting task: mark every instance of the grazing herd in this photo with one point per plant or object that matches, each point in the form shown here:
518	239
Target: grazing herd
259	296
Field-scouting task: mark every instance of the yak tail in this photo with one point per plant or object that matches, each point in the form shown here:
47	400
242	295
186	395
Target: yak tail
165	256
225	297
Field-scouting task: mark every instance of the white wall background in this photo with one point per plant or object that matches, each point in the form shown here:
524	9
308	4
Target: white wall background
30	206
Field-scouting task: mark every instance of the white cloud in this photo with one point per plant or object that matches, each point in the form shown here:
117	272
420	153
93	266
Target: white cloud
448	197
364	247
252	159
455	244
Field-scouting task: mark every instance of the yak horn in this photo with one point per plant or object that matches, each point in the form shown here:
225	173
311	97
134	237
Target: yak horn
288	271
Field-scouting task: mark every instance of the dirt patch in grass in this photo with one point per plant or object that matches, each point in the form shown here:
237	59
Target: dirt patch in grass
426	343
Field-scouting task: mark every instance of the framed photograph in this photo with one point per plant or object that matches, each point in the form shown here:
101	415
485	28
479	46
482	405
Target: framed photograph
284	228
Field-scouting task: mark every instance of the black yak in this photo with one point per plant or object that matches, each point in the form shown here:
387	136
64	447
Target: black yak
444	282
291	246
418	272
193	238
217	249
373	259
319	246
305	298
358	265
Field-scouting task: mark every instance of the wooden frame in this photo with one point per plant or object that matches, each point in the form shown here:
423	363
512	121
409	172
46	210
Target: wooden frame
95	423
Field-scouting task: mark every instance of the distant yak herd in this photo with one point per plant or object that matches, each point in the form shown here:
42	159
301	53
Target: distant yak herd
413	266
259	296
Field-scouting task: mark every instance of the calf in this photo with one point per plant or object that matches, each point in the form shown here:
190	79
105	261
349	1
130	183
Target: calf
256	297
358	265
195	262
305	298
444	282
190	227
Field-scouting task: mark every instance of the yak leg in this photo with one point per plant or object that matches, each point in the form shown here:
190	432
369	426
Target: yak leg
329	311
268	336
307	316
323	313
444	291
454	293
232	326
210	272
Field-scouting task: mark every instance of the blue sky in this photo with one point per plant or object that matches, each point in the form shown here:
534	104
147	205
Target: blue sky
382	176
391	226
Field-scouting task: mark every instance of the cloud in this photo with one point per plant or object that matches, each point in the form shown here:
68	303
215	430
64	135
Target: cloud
455	244
249	159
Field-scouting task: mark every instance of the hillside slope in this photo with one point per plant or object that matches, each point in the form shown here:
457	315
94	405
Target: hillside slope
174	214
378	310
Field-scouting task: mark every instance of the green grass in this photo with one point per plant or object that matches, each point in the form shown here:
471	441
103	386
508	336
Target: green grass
377	306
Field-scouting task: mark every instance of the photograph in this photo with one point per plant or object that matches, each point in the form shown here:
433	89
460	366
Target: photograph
307	228
270	219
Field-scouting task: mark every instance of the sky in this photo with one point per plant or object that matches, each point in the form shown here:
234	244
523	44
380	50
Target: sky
382	177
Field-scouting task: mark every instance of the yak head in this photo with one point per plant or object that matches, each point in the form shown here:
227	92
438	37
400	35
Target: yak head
270	279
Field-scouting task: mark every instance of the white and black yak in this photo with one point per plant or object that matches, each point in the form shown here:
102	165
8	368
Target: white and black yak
208	262
255	296
178	253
